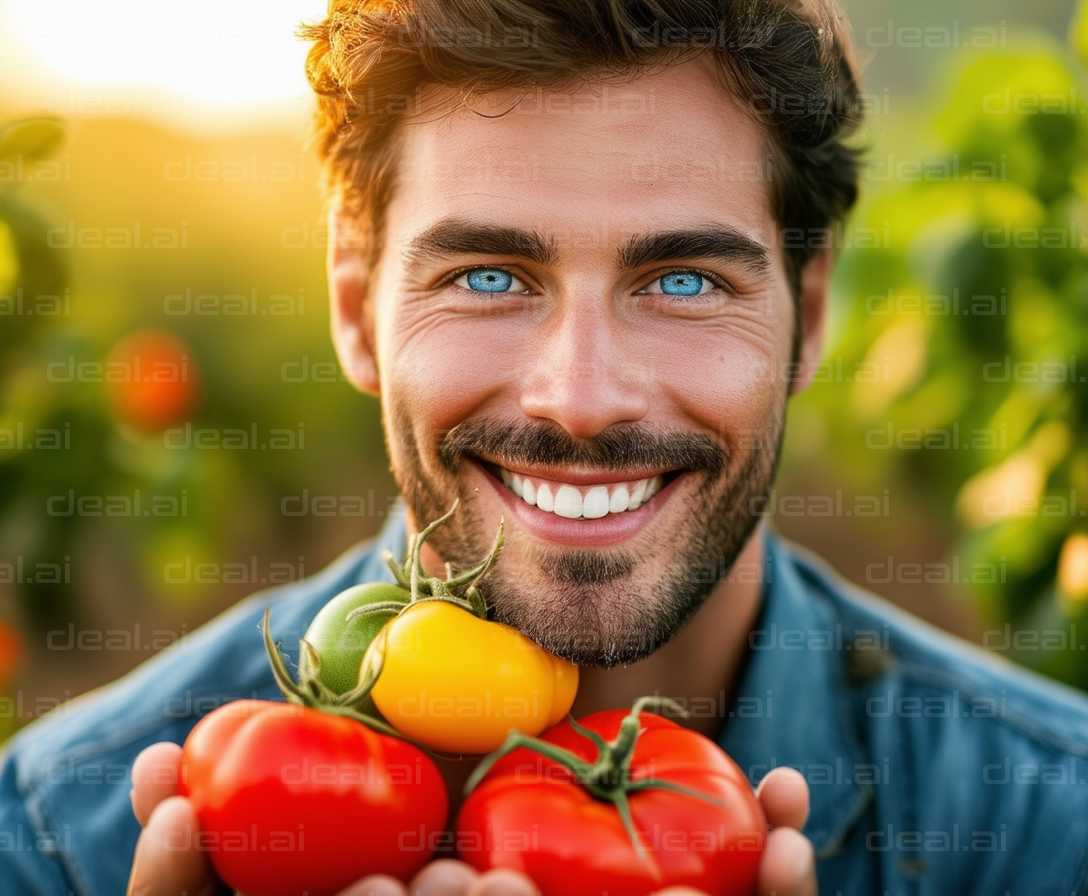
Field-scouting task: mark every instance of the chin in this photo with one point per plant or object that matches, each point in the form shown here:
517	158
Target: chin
597	609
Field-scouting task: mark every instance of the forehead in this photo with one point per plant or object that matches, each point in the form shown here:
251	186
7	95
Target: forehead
670	147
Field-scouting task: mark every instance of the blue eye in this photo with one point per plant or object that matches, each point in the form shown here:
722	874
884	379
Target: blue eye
488	280
682	283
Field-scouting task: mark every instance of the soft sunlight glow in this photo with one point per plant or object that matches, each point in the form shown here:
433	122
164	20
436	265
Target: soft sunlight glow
224	55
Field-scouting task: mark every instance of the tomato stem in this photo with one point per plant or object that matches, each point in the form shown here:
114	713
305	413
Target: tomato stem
515	740
383	606
654	783
609	777
458	589
310	692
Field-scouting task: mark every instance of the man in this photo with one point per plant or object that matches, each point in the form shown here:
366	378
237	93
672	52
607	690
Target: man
566	257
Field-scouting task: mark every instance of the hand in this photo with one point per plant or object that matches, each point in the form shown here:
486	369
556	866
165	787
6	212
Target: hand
446	877
789	864
167	862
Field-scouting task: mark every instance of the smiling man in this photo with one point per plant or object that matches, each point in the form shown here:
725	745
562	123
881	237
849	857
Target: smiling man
614	380
580	252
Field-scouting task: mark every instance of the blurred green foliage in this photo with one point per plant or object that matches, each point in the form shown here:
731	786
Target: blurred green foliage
28	268
67	305
967	332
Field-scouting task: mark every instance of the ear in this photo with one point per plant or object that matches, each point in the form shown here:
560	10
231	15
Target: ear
349	312
815	284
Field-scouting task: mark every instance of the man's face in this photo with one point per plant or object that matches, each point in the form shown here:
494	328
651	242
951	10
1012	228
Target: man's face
581	318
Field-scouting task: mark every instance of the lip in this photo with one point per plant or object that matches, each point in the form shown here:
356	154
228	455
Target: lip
577	477
613	529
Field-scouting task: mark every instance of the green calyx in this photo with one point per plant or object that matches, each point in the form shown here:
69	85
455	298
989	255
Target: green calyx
609	777
309	690
459	590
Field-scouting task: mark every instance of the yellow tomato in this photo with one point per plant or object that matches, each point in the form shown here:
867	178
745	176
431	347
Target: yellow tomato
457	683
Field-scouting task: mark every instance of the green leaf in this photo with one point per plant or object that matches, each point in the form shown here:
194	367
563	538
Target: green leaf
1078	32
31	138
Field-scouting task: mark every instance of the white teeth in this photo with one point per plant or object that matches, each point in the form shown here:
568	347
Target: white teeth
619	500
568	502
544	498
595	503
528	492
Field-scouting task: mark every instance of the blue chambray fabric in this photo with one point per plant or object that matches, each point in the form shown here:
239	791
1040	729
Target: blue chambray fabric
934	768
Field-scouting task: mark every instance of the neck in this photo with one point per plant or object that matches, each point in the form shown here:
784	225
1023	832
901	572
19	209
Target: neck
698	668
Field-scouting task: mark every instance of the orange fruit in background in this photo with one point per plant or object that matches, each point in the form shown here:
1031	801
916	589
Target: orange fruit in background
11	652
153	380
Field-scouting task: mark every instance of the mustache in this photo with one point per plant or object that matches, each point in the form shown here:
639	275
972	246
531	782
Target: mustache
623	446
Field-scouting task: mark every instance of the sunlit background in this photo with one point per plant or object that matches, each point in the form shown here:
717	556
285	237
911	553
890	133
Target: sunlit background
157	199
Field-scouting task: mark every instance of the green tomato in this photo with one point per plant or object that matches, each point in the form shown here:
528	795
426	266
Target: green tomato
340	643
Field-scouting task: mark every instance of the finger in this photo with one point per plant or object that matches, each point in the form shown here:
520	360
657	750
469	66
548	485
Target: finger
788	867
501	882
783	793
443	877
155	776
166	862
375	885
679	891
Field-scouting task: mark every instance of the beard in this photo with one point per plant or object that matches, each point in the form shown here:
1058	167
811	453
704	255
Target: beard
593	607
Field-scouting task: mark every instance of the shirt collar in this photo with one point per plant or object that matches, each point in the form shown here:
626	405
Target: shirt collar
393	537
793	706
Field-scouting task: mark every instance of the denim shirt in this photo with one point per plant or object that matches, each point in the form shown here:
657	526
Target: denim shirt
933	767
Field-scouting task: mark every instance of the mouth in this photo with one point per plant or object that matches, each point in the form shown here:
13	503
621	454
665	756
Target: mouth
582	507
581	502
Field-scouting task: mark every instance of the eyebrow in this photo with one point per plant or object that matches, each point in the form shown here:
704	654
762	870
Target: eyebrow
707	241
456	236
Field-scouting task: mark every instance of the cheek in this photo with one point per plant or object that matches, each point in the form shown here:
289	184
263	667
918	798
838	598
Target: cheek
441	372
732	381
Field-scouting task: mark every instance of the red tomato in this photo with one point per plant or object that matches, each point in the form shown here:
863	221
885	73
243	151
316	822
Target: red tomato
291	799
11	652
153	380
532	815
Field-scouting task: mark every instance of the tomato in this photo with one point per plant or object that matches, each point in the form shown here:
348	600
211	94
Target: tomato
533	814
454	682
447	677
159	385
341	643
291	799
11	652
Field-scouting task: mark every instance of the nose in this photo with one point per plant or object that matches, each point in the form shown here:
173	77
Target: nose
580	375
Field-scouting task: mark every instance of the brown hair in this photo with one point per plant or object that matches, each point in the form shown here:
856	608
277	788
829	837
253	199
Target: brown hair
790	61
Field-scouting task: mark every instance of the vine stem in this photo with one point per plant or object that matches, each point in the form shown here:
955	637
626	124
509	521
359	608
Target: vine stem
310	692
457	588
609	777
